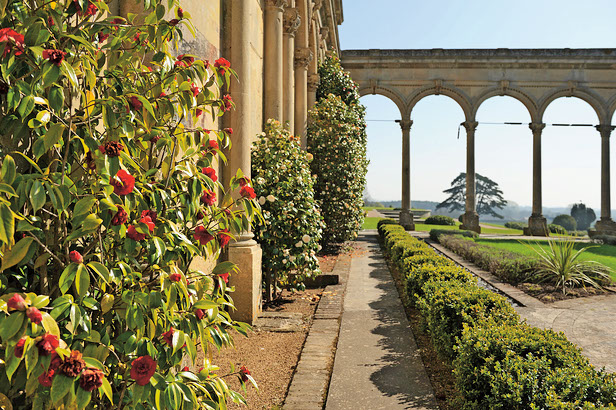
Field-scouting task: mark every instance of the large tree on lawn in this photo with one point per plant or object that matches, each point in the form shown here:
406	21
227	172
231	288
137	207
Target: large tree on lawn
489	196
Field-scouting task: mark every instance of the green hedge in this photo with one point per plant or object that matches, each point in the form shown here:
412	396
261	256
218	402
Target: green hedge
509	266
440	220
499	363
516	225
435	234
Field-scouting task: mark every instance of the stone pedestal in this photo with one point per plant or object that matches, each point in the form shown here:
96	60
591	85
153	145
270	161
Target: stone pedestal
470	222
406	220
605	226
537	226
246	254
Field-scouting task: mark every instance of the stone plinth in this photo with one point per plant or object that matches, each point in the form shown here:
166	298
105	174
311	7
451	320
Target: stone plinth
406	220
247	296
537	226
470	222
605	226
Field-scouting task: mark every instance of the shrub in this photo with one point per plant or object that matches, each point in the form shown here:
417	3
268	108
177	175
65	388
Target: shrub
334	80
447	306
385	221
516	225
290	231
440	220
566	221
337	140
416	279
509	266
402	249
421	259
605	239
105	206
523	367
436	233
557	229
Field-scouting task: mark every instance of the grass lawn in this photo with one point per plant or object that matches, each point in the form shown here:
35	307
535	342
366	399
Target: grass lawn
605	254
370	223
491	231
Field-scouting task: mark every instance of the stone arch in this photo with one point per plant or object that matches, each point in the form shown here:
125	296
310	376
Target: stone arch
530	104
583	94
391	94
611	108
451	92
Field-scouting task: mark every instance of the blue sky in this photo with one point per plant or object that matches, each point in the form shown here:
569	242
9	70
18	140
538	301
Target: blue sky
571	156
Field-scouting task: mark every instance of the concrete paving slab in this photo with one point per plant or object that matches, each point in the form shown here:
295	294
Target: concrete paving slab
377	365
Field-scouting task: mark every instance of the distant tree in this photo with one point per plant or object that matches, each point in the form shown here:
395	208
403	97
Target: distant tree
583	216
566	221
489	196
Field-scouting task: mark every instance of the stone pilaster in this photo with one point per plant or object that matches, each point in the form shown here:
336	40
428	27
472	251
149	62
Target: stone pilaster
470	219
313	83
292	22
273	62
406	216
537	224
605	225
303	57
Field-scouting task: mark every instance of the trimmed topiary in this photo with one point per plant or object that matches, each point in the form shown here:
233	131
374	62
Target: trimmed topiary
566	221
440	220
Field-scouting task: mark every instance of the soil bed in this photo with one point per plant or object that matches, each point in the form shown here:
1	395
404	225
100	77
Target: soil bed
550	293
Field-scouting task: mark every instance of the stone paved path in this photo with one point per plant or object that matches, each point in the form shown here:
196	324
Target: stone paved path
377	365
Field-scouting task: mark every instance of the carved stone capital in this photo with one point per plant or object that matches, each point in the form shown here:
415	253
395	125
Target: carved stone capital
315	8
303	57
405	124
324	33
470	126
605	130
536	127
276	5
313	82
292	21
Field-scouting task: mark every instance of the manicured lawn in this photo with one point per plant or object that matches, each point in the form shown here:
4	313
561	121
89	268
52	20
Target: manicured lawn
491	231
370	223
370	208
605	254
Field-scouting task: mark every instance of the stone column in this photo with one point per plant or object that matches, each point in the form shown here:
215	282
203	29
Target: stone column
291	24
303	56
537	225
605	225
273	62
313	83
406	216
470	219
244	252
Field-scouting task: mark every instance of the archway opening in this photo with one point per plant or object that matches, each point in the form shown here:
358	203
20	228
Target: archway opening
571	157
437	151
503	153
384	181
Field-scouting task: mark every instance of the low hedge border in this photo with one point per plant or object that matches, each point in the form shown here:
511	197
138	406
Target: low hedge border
435	234
498	362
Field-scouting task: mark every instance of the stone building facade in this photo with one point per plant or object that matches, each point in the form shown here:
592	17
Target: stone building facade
274	46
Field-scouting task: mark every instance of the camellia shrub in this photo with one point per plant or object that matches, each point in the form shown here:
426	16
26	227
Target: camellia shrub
337	140
107	196
334	80
290	231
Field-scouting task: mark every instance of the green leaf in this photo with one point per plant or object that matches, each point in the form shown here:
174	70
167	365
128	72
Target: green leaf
101	270
53	135
11	325
7	189
17	253
7	224
68	71
91	223
205	304
56	96
83	398
26	106
27	158
36	35
82	280
50	76
67	277
106	389
224	267
84	206
92	362
31	359
37	195
50	324
8	173
60	387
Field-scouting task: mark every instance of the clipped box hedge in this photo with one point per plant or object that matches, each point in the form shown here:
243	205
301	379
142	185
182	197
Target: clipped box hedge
435	234
499	363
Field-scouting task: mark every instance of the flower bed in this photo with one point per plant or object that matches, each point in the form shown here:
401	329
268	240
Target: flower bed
499	363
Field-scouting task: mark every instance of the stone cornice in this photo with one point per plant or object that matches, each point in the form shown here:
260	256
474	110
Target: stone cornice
279	5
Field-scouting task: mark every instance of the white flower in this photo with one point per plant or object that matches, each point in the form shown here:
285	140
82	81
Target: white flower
309	156
306	238
291	258
284	261
319	248
285	252
299	244
260	181
261	200
270	198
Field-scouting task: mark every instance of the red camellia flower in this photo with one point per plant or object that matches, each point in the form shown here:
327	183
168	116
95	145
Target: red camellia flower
91	379
135	103
73	364
224	276
102	37
195	90
11	38
46	378
210	172
247	192
16	302
180	13
152	214
244	373
91	9
168	336
19	347
142	370
224	237
208	197
185	369
146	219
243	181
50	21
198	112
202	235
184	61
34	315
132	233
120	218
228	131
54	56
123	183
112	148
222	64
198	312
227	102
75	257
213	144
175	277
48	344
174	22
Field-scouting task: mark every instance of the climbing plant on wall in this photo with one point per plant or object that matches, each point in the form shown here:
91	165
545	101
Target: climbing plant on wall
107	196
